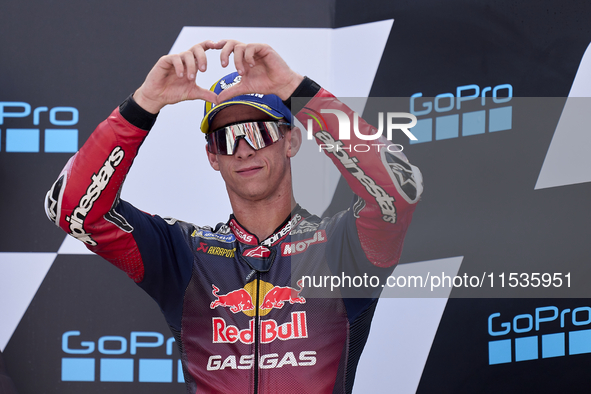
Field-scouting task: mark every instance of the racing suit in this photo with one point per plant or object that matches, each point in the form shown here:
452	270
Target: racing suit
249	315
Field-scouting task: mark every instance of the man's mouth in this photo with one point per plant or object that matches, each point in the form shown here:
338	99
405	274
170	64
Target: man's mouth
249	170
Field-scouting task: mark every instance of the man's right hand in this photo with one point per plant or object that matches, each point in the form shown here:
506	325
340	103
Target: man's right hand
172	79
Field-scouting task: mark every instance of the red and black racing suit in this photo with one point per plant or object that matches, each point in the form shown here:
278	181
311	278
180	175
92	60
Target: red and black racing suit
296	337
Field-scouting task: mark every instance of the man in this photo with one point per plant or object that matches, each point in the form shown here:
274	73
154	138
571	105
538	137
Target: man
235	298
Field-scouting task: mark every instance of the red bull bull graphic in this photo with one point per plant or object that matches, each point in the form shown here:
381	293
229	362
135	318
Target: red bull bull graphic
237	300
296	328
278	296
270	297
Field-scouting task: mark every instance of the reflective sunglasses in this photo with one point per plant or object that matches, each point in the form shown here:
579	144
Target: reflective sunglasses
259	135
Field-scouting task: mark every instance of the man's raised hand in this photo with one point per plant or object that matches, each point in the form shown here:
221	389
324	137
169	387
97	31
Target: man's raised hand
262	70
172	79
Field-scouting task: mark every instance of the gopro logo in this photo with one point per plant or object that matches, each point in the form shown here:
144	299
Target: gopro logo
452	119
118	361
569	340
27	139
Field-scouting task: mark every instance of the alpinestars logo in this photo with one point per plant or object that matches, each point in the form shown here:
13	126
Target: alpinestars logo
283	232
118	220
53	199
259	251
384	200
403	176
100	181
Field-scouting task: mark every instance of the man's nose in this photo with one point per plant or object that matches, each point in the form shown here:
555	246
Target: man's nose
244	149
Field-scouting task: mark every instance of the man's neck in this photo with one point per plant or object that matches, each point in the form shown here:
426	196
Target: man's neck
261	218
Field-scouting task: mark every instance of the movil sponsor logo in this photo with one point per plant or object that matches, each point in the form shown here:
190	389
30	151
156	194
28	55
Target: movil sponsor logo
290	249
100	180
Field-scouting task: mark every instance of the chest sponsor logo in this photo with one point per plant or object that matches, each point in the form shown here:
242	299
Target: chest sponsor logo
227	238
237	300
270	331
290	249
305	358
100	180
270	297
216	250
279	295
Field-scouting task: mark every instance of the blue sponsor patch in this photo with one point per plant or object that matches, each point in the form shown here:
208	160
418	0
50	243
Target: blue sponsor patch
227	238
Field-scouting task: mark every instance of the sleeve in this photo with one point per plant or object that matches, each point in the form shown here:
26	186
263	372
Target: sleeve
387	185
85	203
84	199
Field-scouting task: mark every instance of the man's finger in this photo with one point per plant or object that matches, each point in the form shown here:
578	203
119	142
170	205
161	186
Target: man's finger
190	64
239	58
205	94
178	65
218	45
199	53
249	54
227	49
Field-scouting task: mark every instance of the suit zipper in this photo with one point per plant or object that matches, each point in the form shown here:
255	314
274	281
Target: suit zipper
256	336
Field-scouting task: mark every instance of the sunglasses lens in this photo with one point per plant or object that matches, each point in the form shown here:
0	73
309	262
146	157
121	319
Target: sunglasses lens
259	135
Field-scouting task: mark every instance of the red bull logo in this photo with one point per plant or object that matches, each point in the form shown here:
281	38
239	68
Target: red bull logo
270	297
278	296
296	328
237	300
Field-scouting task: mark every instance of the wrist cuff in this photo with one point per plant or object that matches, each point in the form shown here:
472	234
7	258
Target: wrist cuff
307	88
136	115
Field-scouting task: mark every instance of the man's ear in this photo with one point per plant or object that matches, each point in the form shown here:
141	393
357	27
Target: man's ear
213	159
295	141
